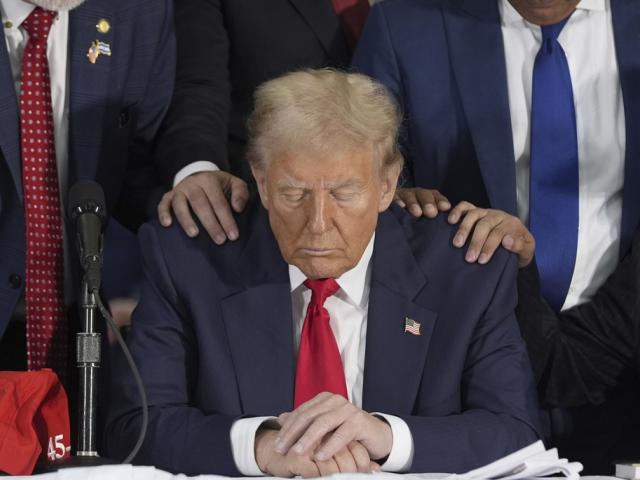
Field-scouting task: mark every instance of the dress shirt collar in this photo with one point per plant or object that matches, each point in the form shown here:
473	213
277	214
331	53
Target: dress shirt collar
510	15
15	12
353	282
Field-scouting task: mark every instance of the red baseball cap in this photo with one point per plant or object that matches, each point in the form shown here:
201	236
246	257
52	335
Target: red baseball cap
34	420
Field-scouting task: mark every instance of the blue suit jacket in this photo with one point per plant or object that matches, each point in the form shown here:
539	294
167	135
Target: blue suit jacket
213	339
444	61
115	106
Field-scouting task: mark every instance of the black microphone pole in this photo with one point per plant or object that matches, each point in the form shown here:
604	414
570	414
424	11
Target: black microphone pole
87	213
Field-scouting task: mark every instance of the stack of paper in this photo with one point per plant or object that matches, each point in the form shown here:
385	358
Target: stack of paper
531	462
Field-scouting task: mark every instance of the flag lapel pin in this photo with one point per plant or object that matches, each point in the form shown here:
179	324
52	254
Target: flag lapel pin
411	326
96	49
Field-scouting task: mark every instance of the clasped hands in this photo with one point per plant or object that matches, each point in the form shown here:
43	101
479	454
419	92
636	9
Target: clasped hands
323	436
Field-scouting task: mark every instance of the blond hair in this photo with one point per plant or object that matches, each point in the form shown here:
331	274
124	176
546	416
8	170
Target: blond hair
323	111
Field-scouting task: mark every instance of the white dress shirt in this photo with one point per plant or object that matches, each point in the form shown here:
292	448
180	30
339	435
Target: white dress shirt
348	319
588	42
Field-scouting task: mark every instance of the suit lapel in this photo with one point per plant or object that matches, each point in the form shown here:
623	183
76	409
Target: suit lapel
324	23
258	321
9	119
626	18
477	57
89	86
394	359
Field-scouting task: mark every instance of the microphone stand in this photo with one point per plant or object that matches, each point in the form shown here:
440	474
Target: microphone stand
88	359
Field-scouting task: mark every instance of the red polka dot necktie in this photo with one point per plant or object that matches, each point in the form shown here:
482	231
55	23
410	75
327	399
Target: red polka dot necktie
352	14
319	367
46	325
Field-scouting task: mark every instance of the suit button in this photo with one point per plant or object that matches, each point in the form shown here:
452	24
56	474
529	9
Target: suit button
15	281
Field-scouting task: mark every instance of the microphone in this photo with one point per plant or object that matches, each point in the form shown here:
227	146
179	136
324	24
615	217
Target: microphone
87	213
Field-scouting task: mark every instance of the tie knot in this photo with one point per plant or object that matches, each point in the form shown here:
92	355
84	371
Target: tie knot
38	24
321	289
550	33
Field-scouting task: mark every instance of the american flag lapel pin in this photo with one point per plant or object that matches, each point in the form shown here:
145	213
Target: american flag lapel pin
411	326
96	49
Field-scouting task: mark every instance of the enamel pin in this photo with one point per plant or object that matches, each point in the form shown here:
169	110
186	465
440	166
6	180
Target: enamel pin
96	49
411	326
103	26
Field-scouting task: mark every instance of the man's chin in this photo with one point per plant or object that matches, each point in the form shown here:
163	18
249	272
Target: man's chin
322	266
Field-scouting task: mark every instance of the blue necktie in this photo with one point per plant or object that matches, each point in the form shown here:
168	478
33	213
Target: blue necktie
553	202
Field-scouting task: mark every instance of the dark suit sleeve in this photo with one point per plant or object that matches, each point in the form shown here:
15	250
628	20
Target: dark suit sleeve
195	128
499	413
582	352
134	204
375	56
180	438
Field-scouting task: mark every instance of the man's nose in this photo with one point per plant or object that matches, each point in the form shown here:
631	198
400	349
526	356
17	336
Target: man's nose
319	214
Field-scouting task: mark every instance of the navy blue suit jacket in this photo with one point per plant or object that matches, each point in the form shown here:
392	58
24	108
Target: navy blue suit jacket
213	338
115	107
444	61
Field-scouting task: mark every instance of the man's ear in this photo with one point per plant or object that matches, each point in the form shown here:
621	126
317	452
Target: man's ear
260	174
389	181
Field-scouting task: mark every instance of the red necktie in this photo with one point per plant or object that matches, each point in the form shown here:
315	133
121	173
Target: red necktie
319	366
46	326
353	14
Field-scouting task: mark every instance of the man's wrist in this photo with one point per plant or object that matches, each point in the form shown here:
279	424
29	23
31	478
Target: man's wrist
243	437
263	446
194	167
400	457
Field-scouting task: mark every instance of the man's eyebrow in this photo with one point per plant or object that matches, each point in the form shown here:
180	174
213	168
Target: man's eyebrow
285	183
348	183
290	183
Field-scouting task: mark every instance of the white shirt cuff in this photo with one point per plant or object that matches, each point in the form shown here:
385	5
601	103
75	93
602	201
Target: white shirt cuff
401	456
243	439
195	167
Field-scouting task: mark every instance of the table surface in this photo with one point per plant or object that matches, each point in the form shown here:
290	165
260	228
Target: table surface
129	472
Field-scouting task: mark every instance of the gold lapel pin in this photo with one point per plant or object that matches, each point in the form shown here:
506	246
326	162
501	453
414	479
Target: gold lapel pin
8	24
103	26
96	49
411	326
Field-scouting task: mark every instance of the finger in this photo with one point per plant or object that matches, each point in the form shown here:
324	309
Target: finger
164	209
345	461
374	467
282	418
481	232
360	456
427	202
300	419
292	417
491	244
459	211
204	211
305	468
180	207
328	467
466	226
239	194
443	202
408	197
321	426
343	435
222	210
521	246
513	243
398	201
